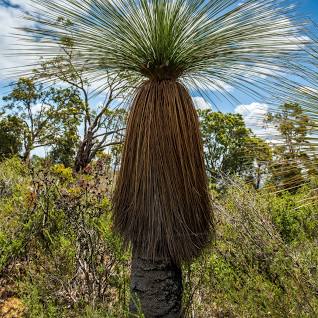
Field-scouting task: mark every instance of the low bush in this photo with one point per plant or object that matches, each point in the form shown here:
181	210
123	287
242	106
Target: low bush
264	260
58	251
60	259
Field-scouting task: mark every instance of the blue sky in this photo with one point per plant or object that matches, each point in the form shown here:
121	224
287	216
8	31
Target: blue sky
10	12
309	7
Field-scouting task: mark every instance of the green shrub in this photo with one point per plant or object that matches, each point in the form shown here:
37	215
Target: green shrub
58	253
58	227
295	219
264	260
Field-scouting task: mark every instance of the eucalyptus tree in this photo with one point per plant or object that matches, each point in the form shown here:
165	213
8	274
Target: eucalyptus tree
309	108
41	113
294	161
165	49
231	149
11	138
100	126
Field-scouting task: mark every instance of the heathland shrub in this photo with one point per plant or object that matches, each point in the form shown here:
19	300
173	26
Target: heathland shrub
259	265
58	251
60	258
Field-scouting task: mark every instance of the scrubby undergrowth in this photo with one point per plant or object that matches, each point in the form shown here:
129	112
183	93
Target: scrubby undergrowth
59	257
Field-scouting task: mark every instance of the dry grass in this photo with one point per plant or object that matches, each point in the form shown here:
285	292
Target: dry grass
12	308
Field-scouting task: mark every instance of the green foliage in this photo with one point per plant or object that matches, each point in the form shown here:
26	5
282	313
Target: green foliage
295	224
57	248
262	153
57	226
65	147
230	147
10	136
14	225
295	160
44	115
293	124
264	260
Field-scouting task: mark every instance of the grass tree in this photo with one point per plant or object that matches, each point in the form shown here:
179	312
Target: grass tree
166	49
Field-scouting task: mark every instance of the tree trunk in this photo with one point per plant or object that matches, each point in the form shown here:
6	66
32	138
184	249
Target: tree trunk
82	158
26	157
258	178
156	288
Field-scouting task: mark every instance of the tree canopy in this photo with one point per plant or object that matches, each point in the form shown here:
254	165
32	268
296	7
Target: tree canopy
295	159
231	149
11	136
44	113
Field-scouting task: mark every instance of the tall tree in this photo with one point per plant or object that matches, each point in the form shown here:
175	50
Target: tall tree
65	146
293	161
43	113
230	148
161	203
11	139
262	154
102	125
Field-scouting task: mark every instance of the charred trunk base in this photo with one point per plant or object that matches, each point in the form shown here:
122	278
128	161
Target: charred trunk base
82	160
156	288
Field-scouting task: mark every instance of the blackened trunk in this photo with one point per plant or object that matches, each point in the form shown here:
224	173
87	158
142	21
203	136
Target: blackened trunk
83	156
258	177
156	288
27	154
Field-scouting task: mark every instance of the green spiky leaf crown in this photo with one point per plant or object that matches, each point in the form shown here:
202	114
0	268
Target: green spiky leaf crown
251	45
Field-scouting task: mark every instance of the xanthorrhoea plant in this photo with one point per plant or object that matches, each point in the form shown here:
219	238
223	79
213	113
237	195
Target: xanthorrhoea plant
166	48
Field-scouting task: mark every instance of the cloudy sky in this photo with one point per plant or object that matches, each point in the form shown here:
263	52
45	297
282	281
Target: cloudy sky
252	110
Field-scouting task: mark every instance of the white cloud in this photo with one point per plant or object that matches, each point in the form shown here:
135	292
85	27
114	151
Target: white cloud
39	107
201	103
254	115
11	19
218	85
